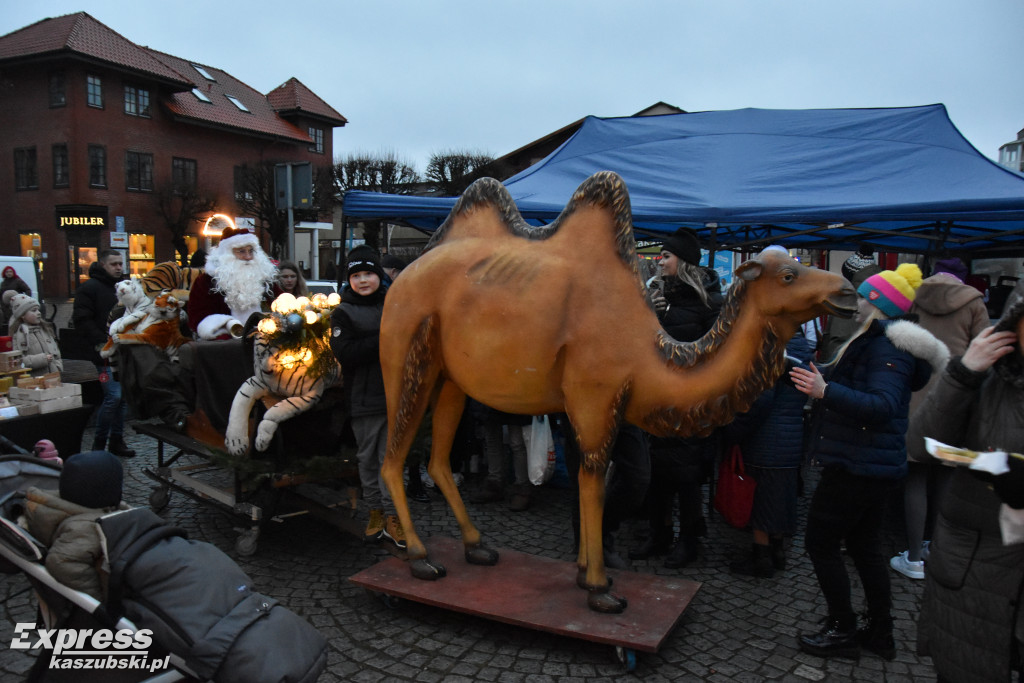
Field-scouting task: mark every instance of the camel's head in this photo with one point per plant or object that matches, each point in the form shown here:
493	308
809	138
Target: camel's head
780	287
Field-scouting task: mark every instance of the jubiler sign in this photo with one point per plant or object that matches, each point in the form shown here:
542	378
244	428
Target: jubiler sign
68	221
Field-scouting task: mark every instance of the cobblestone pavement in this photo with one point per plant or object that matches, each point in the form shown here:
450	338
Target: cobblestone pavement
736	629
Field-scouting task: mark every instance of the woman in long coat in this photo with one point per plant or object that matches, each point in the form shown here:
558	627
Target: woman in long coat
971	622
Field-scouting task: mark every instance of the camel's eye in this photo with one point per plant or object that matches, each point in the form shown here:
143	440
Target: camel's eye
788	277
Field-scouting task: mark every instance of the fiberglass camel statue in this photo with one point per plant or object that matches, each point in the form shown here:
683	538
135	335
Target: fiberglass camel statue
557	319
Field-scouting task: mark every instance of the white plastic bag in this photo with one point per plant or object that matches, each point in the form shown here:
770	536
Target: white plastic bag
540	450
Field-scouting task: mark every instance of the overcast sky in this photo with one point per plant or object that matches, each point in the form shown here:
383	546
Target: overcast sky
423	76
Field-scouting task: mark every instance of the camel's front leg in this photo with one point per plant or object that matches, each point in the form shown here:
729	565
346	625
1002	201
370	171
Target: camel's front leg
236	438
592	574
451	401
283	410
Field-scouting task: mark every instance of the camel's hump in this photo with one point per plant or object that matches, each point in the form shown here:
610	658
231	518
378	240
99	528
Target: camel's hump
486	209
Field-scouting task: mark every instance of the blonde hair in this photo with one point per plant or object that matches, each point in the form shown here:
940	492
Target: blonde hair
875	313
693	276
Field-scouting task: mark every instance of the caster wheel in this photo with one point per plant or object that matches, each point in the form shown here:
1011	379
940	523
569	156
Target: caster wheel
159	498
626	657
245	544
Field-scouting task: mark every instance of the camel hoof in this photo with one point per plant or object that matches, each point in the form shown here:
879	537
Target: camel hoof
482	555
425	570
606	603
581	580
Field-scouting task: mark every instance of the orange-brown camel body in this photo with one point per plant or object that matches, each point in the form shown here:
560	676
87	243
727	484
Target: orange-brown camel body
557	319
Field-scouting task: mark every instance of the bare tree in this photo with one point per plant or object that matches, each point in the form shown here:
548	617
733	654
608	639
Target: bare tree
450	172
180	206
254	194
384	172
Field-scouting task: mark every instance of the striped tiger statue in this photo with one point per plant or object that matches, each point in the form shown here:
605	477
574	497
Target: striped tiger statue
170	276
297	381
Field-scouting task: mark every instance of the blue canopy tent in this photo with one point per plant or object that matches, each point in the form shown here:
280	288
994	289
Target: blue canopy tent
901	179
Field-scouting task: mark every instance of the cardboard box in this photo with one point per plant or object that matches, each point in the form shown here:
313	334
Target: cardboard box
10	360
24	395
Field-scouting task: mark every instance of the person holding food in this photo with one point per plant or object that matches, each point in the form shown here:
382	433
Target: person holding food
857	434
971	624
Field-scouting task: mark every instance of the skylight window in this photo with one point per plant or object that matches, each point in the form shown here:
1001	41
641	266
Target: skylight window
204	73
235	101
200	95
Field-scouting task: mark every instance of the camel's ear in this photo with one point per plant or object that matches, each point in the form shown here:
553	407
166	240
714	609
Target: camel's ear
750	270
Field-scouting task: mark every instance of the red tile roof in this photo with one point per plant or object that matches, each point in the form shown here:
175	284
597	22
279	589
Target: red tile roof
293	96
81	35
261	117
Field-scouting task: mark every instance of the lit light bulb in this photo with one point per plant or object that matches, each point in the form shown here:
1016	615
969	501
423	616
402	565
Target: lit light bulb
312	317
267	326
333	299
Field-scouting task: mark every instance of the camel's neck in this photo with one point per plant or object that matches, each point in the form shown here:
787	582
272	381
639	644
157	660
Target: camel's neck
713	378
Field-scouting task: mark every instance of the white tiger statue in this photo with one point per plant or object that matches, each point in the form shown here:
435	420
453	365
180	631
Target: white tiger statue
132	295
282	375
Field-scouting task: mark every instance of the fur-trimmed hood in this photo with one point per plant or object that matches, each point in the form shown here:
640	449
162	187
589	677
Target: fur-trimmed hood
918	342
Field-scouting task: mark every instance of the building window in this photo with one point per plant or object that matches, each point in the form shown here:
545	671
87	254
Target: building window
58	94
136	101
94	91
26	172
183	175
138	171
61	177
200	95
204	73
317	136
235	101
97	166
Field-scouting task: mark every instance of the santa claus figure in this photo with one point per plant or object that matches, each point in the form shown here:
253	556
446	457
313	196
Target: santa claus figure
239	279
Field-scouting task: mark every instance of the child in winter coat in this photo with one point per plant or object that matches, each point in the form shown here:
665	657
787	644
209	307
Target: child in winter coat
33	336
65	520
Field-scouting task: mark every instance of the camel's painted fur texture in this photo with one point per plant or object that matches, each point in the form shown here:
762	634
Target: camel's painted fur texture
557	319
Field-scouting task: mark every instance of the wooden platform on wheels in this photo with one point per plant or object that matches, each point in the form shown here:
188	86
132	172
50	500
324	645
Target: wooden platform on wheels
539	593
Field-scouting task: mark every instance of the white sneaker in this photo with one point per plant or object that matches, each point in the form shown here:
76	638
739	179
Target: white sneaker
427	481
913	570
457	476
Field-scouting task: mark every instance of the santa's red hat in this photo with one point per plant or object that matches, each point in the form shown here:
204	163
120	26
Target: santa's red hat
233	236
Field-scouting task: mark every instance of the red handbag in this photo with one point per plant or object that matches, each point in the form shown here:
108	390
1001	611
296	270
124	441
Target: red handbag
734	493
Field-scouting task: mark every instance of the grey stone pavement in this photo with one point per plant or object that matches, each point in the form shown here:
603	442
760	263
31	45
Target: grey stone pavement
736	629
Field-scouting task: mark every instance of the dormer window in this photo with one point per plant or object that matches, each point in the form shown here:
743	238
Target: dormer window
200	95
204	73
235	101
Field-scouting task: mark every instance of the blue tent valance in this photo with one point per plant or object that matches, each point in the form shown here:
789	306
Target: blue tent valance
903	179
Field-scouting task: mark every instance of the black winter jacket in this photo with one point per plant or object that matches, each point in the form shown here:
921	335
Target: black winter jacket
94	300
355	341
971	619
861	423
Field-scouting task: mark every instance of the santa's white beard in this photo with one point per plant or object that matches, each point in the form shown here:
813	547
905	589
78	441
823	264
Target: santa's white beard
244	283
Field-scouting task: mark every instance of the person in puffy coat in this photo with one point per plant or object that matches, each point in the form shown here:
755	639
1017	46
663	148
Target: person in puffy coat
65	521
692	300
355	341
971	623
34	337
858	435
955	313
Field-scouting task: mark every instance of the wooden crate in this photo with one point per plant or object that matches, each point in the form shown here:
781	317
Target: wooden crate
10	360
23	395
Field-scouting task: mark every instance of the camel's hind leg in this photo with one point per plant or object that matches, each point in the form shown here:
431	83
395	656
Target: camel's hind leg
451	401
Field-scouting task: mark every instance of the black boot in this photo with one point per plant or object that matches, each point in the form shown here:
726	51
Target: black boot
778	552
612	559
658	543
683	553
758	563
837	639
118	447
876	636
99	444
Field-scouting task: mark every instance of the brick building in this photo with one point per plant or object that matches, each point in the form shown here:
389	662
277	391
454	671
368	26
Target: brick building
95	129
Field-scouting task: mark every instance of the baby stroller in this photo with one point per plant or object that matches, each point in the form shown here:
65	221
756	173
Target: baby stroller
61	607
197	617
